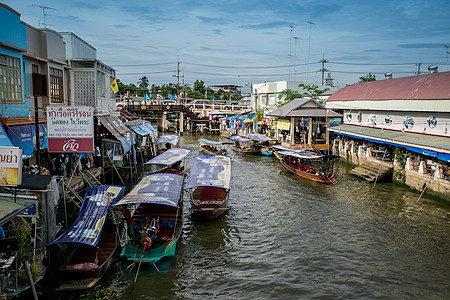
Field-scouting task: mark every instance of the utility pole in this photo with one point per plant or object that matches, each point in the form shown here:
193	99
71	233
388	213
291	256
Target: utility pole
44	8
446	52
418	68
323	70
178	77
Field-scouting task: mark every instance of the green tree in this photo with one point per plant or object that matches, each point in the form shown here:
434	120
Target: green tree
312	91
143	83
288	95
368	77
199	86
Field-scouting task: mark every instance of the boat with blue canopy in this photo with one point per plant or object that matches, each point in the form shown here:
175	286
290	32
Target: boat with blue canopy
244	145
157	206
166	141
312	166
263	141
213	147
209	185
169	161
88	246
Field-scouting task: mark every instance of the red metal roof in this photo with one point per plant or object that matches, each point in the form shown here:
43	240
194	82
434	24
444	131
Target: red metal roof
426	87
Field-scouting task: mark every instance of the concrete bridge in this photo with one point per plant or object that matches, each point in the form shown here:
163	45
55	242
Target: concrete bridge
197	113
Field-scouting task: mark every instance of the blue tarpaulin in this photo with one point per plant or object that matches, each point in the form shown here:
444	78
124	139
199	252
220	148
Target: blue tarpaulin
161	188
24	136
210	170
4	140
168	138
169	157
88	226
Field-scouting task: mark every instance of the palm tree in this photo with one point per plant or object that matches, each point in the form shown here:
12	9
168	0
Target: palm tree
143	83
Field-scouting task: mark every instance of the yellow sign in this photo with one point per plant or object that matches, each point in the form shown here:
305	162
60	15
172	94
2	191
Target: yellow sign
284	125
10	166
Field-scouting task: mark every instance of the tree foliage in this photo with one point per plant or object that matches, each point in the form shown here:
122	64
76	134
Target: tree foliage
368	77
309	90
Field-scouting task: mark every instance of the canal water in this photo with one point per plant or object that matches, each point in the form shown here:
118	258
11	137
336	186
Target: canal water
289	238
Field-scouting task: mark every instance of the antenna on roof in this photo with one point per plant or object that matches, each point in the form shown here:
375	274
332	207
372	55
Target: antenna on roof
44	13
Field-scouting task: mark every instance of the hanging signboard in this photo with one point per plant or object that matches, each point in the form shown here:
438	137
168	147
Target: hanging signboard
10	166
70	129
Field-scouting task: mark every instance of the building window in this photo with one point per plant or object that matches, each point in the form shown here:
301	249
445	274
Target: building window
34	69
359	117
432	121
10	79
349	117
408	122
373	120
388	120
56	86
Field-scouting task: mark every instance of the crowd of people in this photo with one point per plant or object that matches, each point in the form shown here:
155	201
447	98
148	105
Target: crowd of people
64	165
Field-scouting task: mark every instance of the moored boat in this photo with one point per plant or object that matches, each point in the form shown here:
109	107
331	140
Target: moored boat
263	142
88	246
209	184
213	147
243	145
170	161
157	206
166	142
311	166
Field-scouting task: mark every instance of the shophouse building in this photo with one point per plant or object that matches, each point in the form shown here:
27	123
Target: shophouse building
403	120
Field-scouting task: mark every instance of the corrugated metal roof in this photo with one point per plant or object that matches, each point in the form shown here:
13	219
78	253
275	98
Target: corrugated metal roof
429	86
295	108
425	141
312	112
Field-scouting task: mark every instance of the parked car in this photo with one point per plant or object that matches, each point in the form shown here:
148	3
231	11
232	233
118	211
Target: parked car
199	103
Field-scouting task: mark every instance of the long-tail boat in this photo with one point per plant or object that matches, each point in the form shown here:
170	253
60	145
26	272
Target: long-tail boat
311	166
213	147
157	205
170	161
208	185
166	142
86	249
263	142
245	146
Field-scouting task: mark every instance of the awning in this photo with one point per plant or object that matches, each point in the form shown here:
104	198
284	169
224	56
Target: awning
4	139
431	145
10	209
117	129
92	215
143	129
25	136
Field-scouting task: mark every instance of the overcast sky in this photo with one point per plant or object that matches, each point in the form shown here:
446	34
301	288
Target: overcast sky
239	42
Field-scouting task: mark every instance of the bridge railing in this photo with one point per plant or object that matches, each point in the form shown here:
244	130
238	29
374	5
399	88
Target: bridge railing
179	107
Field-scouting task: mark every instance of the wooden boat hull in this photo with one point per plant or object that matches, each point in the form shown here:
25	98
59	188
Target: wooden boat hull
81	271
309	176
246	150
207	150
209	206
